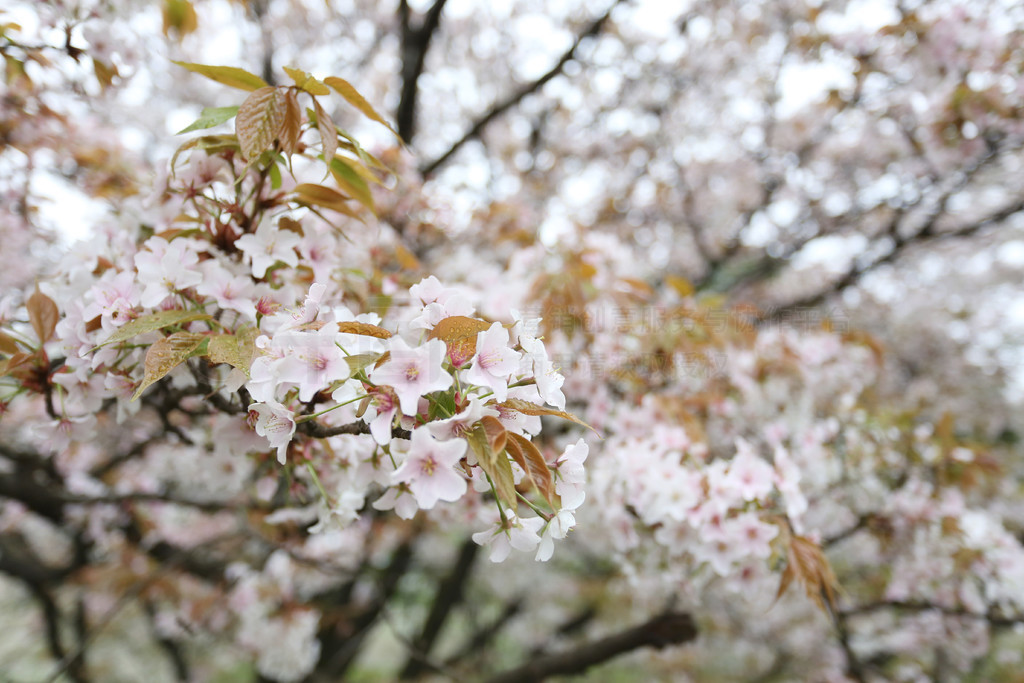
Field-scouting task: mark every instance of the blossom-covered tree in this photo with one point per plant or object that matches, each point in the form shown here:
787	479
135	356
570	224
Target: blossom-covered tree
638	351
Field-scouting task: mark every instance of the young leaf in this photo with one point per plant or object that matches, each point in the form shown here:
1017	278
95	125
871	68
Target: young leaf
406	259
211	144
291	127
328	133
353	97
360	361
230	76
153	321
43	315
167	354
496	465
459	334
305	81
181	16
528	408
808	565
234	349
210	117
259	120
351	182
365	329
527	456
319	195
8	345
496	435
14	362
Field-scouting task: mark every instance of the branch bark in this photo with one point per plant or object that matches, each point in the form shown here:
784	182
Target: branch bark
415	44
503	106
668	628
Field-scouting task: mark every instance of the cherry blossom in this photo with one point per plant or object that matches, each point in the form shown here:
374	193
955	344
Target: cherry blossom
428	469
494	361
267	246
277	424
413	372
514	532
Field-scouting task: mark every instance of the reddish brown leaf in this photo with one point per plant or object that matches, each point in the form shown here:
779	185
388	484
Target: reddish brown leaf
43	315
290	224
291	127
496	434
328	132
14	362
259	120
808	565
459	334
528	408
527	456
365	329
320	195
8	345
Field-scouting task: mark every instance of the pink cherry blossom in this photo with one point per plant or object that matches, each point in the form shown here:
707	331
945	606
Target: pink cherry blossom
165	268
429	469
276	423
267	246
494	361
750	475
413	372
516	532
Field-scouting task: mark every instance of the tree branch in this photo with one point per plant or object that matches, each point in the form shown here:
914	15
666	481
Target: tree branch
449	594
854	274
319	431
415	44
668	628
501	107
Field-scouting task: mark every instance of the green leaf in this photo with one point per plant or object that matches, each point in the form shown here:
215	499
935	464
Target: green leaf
234	349
360	361
211	116
346	90
230	76
352	183
153	321
304	81
496	465
275	176
211	144
167	354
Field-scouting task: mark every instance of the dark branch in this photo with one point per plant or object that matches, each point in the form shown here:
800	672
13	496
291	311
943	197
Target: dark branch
900	247
415	44
915	606
669	628
319	431
449	594
501	107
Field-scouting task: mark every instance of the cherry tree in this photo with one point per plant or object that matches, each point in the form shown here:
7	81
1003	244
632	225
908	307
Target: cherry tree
549	372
